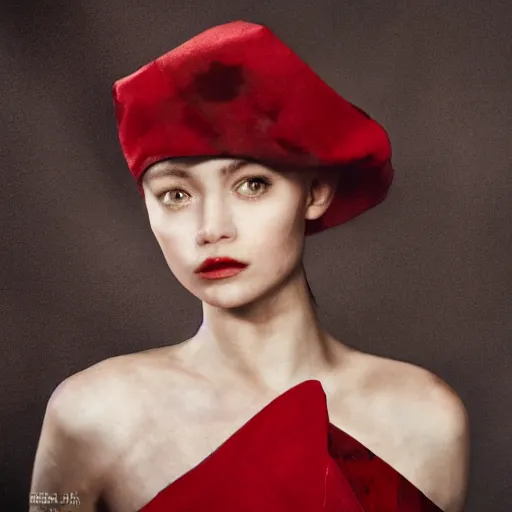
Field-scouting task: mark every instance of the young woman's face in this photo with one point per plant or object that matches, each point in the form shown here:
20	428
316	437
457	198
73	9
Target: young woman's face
227	208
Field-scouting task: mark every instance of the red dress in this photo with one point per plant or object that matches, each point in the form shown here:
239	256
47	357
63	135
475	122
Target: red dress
290	458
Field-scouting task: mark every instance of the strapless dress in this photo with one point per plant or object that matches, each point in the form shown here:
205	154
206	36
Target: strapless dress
290	458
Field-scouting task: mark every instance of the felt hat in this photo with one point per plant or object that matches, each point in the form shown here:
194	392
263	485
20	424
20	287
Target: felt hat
236	90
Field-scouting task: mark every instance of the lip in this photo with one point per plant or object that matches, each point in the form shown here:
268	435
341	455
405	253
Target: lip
220	268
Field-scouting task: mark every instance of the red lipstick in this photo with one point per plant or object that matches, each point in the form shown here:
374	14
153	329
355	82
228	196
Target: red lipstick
219	268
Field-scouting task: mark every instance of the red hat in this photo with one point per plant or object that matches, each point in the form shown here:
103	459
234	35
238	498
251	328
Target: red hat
236	90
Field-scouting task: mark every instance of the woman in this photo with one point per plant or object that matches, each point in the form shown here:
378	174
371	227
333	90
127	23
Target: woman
239	150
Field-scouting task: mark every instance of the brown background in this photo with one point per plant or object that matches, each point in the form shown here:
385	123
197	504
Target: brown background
425	277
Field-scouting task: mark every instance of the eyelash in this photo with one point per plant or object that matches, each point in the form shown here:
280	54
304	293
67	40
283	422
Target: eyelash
262	179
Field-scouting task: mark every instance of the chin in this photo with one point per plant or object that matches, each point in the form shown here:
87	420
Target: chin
239	292
226	298
241	295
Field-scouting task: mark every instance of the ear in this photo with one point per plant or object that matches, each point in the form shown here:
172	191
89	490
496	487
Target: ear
322	187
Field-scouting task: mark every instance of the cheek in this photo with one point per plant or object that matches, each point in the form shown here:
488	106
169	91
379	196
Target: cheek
176	245
275	233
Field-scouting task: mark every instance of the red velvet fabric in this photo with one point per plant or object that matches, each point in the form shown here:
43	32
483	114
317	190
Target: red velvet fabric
236	90
290	458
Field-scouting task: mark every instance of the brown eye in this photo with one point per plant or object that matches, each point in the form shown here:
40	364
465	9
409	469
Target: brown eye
174	197
253	187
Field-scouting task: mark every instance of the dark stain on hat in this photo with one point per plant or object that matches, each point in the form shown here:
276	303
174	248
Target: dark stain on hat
220	83
273	114
195	121
291	147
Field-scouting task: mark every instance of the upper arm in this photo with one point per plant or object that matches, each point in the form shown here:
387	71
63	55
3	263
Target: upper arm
449	448
64	461
454	448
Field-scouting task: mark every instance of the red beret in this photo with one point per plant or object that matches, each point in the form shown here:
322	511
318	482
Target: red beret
236	90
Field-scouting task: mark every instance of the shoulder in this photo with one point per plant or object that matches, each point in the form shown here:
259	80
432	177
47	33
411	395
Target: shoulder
92	412
89	391
112	391
81	407
94	416
434	423
419	390
68	453
87	398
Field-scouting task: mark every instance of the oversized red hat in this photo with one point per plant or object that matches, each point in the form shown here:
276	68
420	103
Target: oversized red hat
236	90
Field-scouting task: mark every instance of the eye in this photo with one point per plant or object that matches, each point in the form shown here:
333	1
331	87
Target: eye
175	198
253	187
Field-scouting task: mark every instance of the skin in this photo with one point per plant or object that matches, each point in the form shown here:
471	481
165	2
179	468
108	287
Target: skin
259	337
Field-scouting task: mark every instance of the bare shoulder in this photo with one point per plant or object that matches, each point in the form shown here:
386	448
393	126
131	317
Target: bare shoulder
418	390
433	421
82	400
69	456
92	417
88	400
82	406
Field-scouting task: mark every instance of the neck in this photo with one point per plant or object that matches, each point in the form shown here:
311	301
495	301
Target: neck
273	343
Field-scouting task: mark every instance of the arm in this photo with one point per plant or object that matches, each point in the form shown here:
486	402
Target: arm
437	431
453	452
443	431
64	461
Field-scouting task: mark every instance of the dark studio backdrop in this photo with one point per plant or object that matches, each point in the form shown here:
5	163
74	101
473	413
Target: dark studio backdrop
425	277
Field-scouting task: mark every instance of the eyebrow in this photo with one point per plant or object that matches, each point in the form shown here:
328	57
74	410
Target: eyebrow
182	172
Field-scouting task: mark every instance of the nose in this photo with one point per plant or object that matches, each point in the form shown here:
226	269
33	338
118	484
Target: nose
216	223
